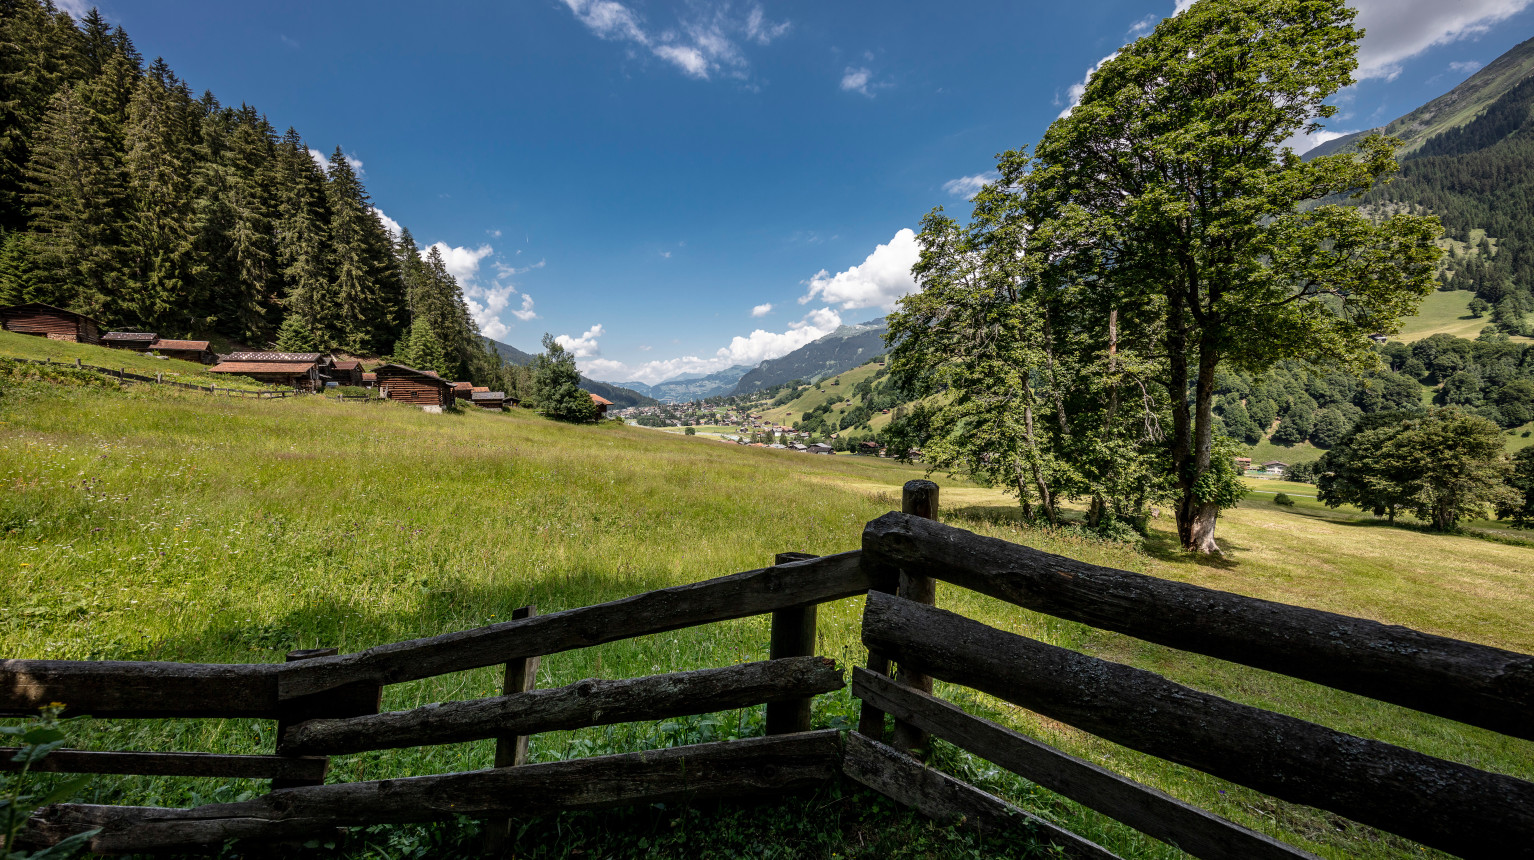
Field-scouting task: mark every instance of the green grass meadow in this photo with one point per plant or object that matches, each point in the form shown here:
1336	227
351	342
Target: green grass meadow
155	524
13	345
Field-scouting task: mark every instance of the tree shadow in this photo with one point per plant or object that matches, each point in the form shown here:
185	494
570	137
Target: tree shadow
1164	546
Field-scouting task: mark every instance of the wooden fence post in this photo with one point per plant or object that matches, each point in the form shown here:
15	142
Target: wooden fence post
511	750
351	700
918	498
793	635
77	362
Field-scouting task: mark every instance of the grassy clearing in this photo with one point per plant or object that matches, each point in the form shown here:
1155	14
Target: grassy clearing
153	524
13	345
1444	312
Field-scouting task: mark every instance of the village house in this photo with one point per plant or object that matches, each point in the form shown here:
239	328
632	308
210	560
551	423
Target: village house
463	390
138	341
297	370
821	448
416	387
369	379
602	404
1243	463
42	320
488	399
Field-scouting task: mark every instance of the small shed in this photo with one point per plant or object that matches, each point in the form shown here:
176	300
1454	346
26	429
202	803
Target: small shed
602	404
416	387
463	390
48	321
489	399
369	380
298	370
347	373
821	448
186	350
138	341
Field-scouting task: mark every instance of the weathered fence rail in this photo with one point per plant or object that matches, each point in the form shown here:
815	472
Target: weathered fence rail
122	373
327	704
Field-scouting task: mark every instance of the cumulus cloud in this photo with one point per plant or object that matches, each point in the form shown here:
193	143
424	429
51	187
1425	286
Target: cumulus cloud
1074	93
585	346
485	306
701	45
878	282
389	223
526	313
462	263
968	186
856	81
762	310
751	349
1400	29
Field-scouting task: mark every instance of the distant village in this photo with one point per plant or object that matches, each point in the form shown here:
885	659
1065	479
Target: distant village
746	427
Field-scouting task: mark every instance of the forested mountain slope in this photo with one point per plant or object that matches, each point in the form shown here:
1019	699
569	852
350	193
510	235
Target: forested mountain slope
841	350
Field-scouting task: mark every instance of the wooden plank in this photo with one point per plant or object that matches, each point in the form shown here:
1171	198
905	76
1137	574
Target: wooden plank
109	688
740	595
918	499
587	703
351	700
177	764
759	767
1475	684
793	635
951	802
1441	804
1149	811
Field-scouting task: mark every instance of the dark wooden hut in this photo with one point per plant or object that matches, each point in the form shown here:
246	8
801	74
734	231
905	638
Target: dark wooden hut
463	390
347	373
489	399
138	341
48	321
186	350
417	387
298	370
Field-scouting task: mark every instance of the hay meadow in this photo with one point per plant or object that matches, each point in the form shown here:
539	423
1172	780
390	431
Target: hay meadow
151	524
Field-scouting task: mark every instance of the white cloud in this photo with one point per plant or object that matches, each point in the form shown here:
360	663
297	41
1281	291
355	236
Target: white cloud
1397	30
878	282
751	349
319	158
526	314
856	81
585	346
485	306
494	234
462	263
762	310
1146	24
1079	89
323	161
77	8
291	43
1303	143
700	45
968	186
389	223
1465	67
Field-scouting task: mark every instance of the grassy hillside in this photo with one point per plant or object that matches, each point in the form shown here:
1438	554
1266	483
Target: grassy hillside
13	345
811	396
153	524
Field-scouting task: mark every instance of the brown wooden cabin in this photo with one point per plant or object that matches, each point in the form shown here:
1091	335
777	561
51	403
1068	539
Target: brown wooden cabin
489	399
416	387
602	404
347	373
298	370
138	341
186	350
463	390
369	379
48	321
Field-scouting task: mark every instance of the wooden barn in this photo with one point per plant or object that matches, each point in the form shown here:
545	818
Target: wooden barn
369	379
602	404
138	341
186	350
463	390
416	387
347	373
298	370
489	399
48	321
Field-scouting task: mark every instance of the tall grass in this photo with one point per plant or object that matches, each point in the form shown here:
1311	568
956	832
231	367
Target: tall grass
149	524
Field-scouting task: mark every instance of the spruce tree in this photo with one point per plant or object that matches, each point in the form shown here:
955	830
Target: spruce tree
356	298
303	253
160	233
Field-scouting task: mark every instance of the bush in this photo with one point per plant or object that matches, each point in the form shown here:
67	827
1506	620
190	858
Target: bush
691	431
1283	500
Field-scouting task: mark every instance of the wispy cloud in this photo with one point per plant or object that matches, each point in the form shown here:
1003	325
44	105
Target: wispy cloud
702	44
855	80
1397	30
1465	67
968	186
750	350
762	310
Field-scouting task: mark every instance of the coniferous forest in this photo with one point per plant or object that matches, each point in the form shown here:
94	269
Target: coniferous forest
125	196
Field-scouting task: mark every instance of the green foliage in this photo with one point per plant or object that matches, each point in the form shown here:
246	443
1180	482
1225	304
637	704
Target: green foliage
1520	507
26	745
555	385
691	431
1441	467
1283	500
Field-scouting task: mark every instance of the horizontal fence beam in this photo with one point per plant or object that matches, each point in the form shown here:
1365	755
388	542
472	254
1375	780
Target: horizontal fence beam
1154	813
1449	806
113	688
952	802
586	703
740	595
177	764
1475	684
759	767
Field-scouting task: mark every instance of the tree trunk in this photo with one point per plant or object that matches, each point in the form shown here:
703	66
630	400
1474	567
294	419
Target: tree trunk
1202	534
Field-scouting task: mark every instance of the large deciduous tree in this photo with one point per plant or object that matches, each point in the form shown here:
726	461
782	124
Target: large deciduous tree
1170	196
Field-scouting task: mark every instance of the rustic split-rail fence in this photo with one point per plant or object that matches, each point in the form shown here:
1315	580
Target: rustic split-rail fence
123	375
326	704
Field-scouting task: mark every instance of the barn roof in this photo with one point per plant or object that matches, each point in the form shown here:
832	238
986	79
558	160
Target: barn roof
488	395
387	369
463	386
42	307
181	344
369	377
305	357
287	367
130	336
600	400
478	388
347	365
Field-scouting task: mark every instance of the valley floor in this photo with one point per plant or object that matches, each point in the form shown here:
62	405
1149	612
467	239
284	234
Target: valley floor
172	526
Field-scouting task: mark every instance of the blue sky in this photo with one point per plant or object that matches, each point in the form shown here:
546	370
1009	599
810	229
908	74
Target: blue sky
675	186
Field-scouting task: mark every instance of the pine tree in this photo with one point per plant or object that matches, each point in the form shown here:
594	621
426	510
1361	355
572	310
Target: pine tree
161	230
357	299
303	253
41	56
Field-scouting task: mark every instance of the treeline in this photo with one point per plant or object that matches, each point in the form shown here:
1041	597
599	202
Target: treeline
125	197
1309	404
1477	177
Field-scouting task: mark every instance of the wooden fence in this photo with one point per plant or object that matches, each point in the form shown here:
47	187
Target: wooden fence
122	374
327	704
